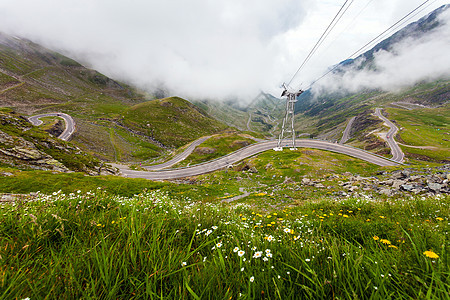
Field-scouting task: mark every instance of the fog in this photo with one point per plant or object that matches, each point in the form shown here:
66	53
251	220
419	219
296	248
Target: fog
212	48
409	62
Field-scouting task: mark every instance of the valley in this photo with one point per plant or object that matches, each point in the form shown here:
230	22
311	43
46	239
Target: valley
110	191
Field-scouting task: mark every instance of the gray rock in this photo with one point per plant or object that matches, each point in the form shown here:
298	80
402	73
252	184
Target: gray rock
436	187
405	173
406	187
306	181
387	192
397	184
253	170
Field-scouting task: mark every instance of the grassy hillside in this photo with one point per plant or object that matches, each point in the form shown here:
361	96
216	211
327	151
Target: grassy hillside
34	80
25	146
261	114
217	146
154	245
425	130
326	117
172	121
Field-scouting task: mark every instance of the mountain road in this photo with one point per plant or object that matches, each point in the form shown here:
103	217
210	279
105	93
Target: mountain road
397	153
69	121
346	134
252	150
156	172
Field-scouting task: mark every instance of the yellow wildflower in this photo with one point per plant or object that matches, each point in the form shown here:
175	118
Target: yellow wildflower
392	246
439	219
384	241
430	254
382	217
345	216
376	238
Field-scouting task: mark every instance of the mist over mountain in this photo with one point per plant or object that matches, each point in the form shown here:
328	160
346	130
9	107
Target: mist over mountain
416	53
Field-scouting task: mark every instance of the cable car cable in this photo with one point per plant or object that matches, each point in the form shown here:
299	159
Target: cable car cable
317	43
371	41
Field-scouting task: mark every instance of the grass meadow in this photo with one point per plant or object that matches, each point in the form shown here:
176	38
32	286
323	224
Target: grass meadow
152	245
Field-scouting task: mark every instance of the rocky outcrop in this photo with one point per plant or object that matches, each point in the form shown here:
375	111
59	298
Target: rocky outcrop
24	146
18	151
409	181
204	150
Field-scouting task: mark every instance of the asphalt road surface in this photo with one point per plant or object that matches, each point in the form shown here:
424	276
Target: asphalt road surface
397	153
346	133
70	123
178	157
225	161
249	151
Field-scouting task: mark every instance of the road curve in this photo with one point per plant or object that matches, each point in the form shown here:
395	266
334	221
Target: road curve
346	134
156	172
249	151
397	153
68	120
176	159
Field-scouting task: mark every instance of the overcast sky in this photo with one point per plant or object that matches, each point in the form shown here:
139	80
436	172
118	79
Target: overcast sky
208	48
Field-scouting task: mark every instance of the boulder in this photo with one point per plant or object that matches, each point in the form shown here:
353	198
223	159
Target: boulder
406	187
436	187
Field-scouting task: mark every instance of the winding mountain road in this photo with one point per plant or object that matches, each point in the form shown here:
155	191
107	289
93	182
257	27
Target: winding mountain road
70	123
346	134
156	173
397	153
252	150
180	157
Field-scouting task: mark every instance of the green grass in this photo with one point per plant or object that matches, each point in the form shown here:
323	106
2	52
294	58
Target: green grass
24	182
172	121
5	79
49	122
60	150
95	245
220	145
424	127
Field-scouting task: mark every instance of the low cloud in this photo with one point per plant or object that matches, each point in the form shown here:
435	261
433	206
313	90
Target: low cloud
198	48
410	61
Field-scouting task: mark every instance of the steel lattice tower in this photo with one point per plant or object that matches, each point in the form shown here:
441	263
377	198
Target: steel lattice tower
288	121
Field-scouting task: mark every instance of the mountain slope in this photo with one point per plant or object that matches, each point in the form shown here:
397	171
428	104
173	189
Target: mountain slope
171	121
260	115
25	146
324	113
34	79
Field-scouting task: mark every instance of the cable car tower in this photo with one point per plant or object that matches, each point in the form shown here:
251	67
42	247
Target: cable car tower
288	121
